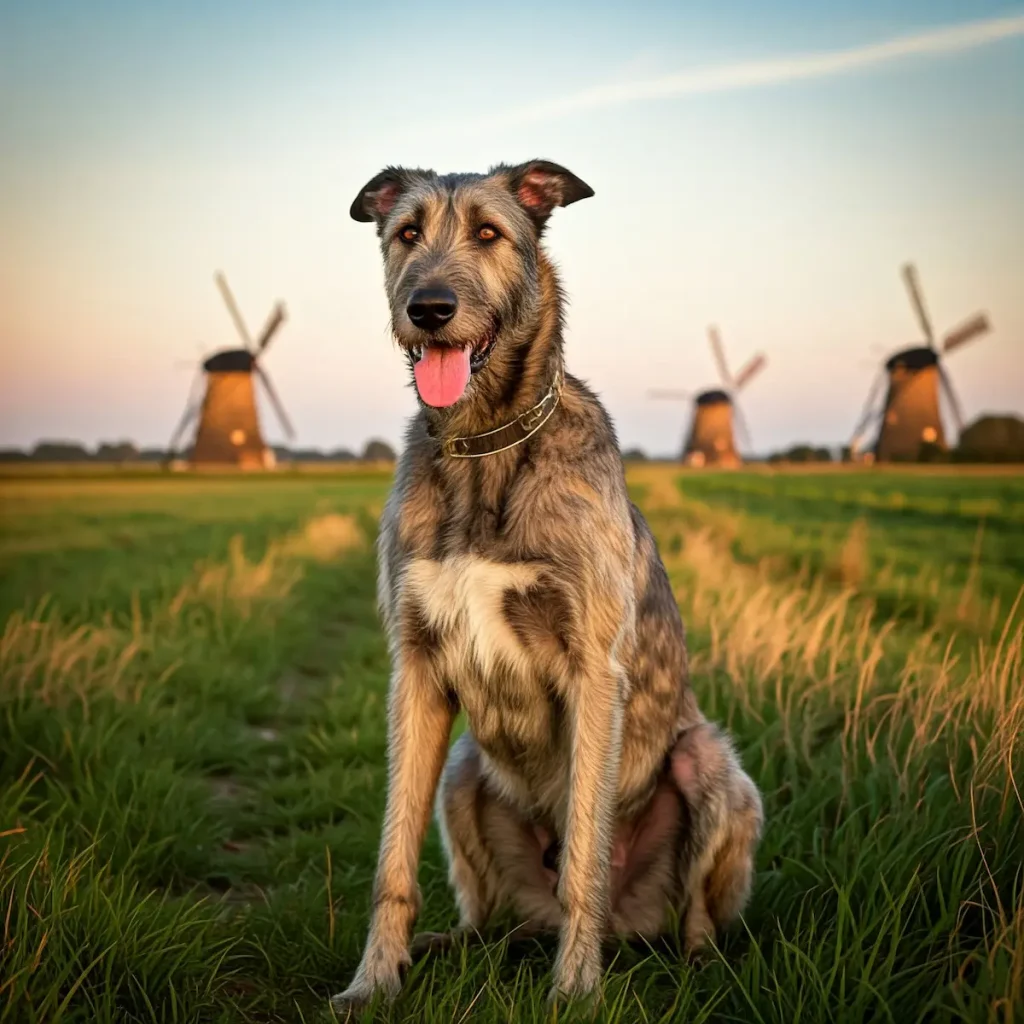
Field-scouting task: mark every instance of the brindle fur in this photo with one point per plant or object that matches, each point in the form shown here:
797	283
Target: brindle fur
526	589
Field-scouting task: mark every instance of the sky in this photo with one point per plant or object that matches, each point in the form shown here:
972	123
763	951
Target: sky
763	167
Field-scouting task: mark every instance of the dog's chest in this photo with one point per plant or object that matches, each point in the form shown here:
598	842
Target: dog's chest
463	600
466	602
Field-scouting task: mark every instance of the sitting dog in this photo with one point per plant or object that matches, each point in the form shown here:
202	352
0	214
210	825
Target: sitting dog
519	584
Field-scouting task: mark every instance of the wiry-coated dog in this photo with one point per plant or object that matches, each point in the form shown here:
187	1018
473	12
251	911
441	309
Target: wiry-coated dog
518	583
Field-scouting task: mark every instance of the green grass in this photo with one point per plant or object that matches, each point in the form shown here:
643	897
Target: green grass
192	686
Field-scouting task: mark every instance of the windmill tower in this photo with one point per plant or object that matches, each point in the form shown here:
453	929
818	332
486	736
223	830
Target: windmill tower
229	428
711	439
909	422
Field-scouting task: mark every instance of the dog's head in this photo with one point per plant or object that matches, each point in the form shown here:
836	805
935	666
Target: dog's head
461	266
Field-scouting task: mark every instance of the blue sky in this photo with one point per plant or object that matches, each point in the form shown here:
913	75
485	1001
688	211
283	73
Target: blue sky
146	146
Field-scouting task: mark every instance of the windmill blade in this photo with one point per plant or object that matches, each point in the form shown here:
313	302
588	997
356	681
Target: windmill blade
183	424
193	404
869	407
274	321
967	331
276	402
236	316
750	371
662	393
719	352
875	416
954	403
914	287
741	423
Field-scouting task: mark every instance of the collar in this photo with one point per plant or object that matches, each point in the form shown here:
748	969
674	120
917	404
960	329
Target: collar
525	425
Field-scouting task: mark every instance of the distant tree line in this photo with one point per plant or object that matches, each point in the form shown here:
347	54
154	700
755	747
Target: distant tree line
125	451
373	451
987	439
805	453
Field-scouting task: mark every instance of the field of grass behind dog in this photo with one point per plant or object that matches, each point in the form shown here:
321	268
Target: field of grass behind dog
192	750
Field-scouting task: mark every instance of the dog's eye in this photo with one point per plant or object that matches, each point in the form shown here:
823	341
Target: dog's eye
487	233
409	234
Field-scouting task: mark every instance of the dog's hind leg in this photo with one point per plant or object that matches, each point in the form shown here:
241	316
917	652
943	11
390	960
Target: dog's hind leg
495	857
471	868
724	821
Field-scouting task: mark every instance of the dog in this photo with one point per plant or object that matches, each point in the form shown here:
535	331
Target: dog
519	584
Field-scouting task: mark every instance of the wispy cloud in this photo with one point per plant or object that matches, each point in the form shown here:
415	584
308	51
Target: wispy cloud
748	74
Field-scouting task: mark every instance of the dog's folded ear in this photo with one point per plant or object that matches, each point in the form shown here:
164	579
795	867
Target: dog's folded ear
540	186
378	196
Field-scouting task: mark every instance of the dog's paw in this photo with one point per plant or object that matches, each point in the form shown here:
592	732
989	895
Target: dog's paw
577	982
573	1006
364	990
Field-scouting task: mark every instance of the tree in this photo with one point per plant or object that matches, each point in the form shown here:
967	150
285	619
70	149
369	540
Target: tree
378	451
59	451
992	439
802	453
119	451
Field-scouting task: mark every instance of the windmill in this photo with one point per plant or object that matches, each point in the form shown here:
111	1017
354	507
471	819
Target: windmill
910	420
711	438
229	427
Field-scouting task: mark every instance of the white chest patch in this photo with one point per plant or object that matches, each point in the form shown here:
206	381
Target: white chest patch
463	599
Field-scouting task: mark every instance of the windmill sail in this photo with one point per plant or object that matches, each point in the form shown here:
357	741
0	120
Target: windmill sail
967	331
275	401
917	300
749	372
954	402
184	423
270	329
236	316
719	353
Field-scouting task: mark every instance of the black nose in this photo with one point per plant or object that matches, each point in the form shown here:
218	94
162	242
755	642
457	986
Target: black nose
431	308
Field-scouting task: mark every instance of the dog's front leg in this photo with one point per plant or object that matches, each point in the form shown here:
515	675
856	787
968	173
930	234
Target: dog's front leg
596	716
419	724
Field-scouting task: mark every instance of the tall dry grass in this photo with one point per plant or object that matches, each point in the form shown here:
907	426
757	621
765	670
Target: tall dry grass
888	707
57	662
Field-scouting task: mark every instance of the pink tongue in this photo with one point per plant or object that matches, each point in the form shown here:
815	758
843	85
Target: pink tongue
442	375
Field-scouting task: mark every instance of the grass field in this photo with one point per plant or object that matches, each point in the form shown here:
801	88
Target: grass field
192	686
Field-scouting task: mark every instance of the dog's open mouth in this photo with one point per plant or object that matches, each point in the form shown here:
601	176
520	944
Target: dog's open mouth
442	372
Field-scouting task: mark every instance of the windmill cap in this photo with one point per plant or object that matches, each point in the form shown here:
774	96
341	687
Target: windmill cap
233	360
913	358
714	396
